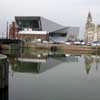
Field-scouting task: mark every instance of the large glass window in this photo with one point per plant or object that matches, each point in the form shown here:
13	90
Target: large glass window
33	24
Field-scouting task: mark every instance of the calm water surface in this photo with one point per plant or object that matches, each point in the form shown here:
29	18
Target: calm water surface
54	77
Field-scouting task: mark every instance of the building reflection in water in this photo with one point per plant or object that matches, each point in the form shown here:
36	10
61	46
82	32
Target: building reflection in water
39	62
28	60
4	67
91	60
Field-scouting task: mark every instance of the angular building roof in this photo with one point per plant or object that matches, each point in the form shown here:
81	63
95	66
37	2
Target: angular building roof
43	23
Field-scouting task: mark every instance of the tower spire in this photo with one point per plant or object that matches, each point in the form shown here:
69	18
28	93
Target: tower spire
89	18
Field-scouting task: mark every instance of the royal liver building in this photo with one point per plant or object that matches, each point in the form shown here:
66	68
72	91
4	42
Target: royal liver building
92	31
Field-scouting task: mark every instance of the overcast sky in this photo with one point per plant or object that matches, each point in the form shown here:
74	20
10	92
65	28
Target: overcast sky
65	12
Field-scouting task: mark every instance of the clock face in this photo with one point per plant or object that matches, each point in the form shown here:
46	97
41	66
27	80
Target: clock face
90	19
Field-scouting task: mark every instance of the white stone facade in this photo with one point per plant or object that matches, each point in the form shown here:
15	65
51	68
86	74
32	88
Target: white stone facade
92	31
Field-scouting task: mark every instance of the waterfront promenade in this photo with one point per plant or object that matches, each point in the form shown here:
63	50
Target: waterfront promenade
80	49
77	49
